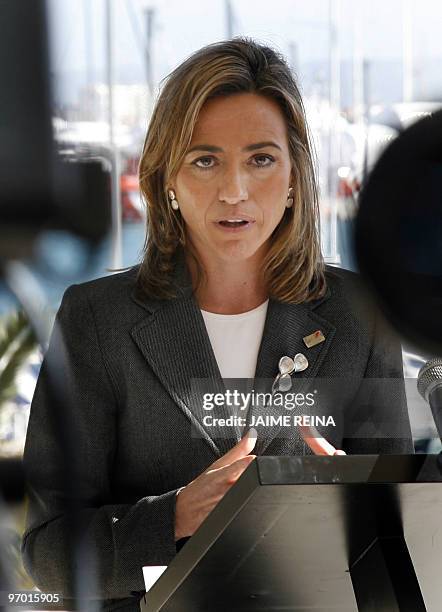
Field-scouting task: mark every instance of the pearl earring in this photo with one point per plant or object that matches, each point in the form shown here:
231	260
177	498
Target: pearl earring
290	198
173	200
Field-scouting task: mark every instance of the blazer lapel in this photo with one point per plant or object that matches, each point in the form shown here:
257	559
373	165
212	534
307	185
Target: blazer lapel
285	327
174	341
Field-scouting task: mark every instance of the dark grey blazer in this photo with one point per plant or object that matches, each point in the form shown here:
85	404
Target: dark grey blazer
127	369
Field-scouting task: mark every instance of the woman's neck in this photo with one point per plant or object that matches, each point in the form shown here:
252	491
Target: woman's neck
228	288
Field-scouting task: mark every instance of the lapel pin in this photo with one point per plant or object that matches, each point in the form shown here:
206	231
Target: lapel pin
301	362
313	339
284	382
286	366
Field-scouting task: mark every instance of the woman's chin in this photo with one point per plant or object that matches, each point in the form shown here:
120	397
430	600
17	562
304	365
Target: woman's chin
236	251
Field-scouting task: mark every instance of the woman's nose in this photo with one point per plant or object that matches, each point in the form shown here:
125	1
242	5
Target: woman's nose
233	188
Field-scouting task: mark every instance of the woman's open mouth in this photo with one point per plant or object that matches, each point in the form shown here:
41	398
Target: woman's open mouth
235	224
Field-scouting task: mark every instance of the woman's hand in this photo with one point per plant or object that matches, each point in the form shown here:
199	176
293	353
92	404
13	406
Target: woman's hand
195	501
317	443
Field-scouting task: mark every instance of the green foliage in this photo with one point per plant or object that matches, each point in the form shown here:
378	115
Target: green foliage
17	341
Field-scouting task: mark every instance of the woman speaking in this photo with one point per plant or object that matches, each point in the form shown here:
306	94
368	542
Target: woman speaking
232	281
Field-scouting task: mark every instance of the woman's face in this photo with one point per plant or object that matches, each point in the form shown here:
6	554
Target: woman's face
233	183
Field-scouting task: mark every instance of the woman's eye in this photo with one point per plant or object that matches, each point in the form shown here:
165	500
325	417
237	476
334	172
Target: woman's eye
260	161
263	161
204	162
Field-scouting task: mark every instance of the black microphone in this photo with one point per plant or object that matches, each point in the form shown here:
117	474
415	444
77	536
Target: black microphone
429	385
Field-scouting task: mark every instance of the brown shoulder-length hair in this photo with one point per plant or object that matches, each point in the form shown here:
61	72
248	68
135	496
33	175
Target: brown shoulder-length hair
294	268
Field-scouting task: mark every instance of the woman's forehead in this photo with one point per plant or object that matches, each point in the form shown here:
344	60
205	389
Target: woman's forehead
242	116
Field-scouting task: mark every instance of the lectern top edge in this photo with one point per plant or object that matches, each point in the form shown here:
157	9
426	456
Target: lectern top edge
370	469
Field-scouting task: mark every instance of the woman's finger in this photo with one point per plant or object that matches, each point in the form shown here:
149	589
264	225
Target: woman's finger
225	473
317	443
241	449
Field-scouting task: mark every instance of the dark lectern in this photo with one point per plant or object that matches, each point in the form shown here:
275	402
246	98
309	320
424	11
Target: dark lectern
316	533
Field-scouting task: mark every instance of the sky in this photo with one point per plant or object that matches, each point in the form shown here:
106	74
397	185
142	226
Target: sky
181	26
300	29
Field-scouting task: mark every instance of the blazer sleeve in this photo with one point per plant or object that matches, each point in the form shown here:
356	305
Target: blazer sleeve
377	421
123	537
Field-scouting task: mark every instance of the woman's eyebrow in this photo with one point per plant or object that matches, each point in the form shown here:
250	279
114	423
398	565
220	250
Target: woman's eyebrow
250	147
261	145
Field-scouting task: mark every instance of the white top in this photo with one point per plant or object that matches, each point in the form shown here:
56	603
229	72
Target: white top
236	339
